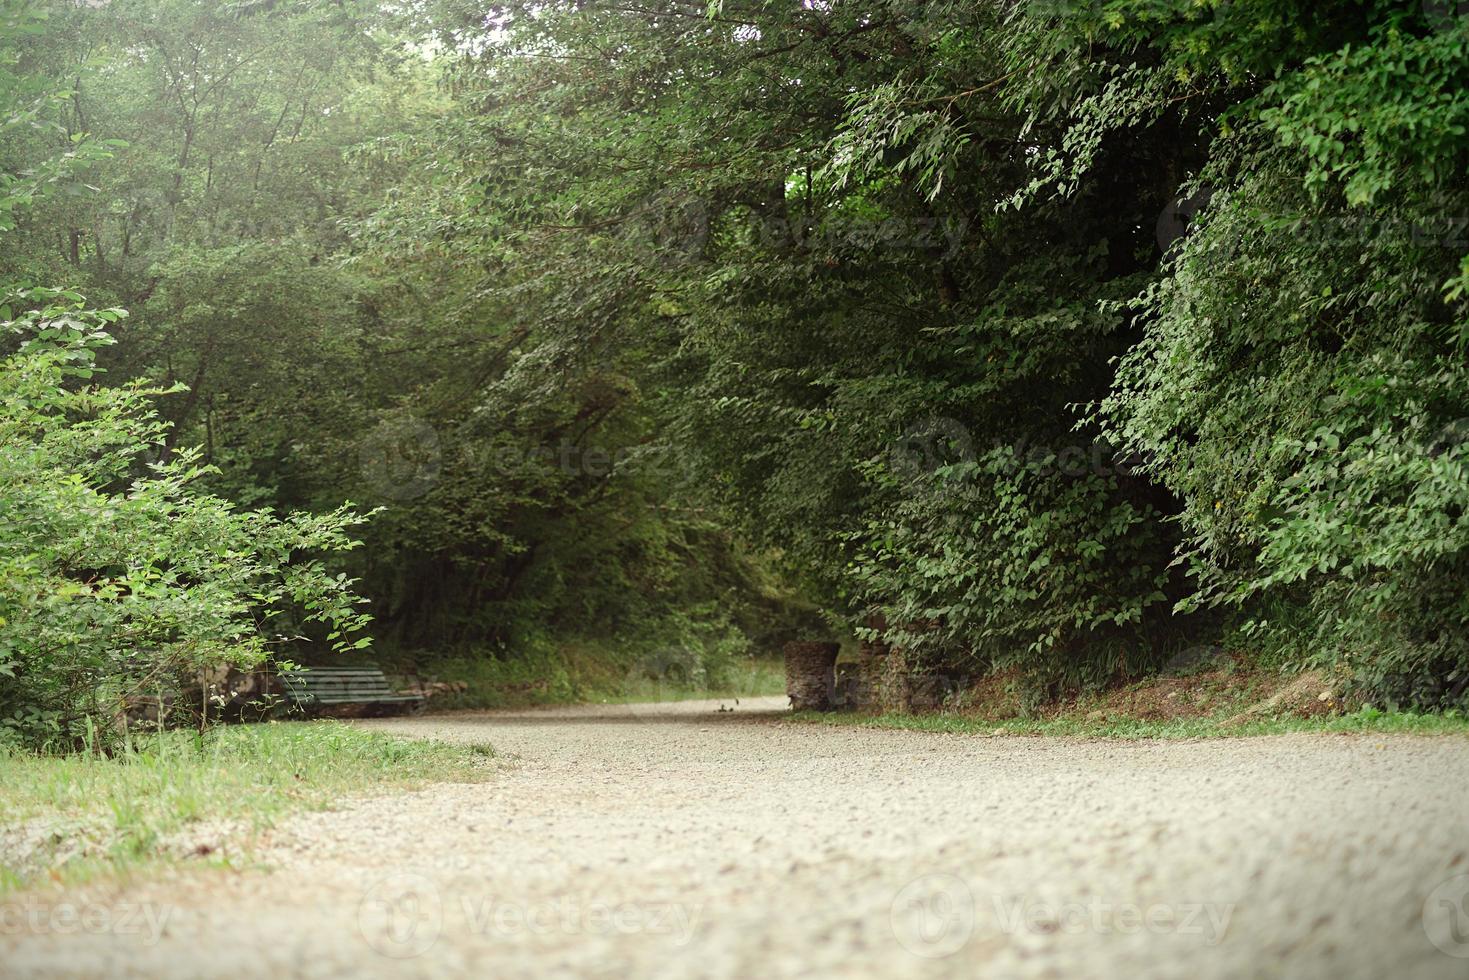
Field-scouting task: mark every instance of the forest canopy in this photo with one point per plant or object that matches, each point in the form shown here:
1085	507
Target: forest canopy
519	340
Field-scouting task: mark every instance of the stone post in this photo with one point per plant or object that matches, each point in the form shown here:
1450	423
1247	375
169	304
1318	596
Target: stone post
811	674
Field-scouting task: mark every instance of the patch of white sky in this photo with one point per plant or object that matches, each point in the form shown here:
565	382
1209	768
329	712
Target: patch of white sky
495	27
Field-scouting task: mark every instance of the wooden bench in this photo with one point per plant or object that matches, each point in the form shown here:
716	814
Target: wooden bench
345	691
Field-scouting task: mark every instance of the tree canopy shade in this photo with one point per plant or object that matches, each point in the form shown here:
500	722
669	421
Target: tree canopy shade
1043	335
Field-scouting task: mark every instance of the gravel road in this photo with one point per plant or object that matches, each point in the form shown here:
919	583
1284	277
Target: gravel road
681	841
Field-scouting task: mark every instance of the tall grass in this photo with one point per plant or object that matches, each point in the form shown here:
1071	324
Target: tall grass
71	817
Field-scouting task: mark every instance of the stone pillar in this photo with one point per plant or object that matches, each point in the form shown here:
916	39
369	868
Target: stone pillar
893	694
811	674
872	664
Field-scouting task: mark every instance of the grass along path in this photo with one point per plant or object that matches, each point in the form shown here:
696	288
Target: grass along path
185	797
1231	697
1362	721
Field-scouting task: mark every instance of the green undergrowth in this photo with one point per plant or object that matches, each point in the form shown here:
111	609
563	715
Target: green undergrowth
1363	721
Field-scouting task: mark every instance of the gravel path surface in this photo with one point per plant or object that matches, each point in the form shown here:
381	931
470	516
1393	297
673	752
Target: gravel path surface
679	841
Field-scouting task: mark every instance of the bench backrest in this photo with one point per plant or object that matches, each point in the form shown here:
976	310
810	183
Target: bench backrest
337	685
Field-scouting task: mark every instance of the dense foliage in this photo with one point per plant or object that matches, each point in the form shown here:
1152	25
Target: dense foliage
1037	335
119	579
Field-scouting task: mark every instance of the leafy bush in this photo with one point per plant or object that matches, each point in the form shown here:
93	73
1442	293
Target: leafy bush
118	579
1014	564
1301	387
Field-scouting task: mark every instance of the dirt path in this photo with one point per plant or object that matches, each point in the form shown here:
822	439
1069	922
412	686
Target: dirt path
677	842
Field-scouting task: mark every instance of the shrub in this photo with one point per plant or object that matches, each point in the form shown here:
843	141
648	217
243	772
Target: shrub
118	578
1005	562
1314	430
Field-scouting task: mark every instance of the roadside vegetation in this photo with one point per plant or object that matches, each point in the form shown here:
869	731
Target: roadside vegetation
1364	721
567	349
1237	698
184	798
